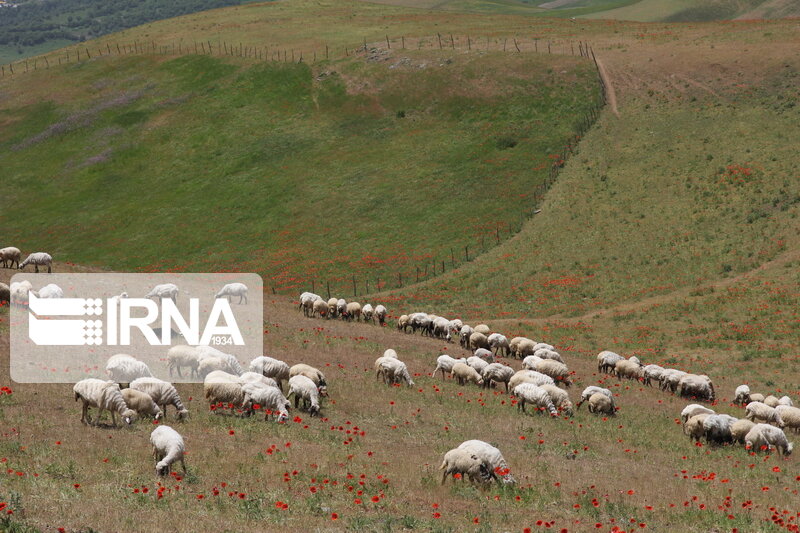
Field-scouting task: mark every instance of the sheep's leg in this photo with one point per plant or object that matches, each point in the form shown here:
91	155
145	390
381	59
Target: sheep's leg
85	413
36	268
444	477
113	418
183	465
49	269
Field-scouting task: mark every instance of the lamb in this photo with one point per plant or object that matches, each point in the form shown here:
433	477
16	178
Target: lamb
529	376
478	340
695	409
558	371
764	437
353	311
394	371
790	416
760	411
5	293
10	255
124	368
445	363
333	308
163	393
51	290
497	372
312	373
740	428
464	335
319	307
402	323
742	395
483	328
477	363
164	290
499	344
607	361
232	363
233	289
601	404
103	395
530	393
303	388
670	378
142	403
625	368
491	456
698	386
594	389
271	399
652	372
380	314
484	354
465	374
693	428
180	356
271	368
168	448
717	428
37	259
458	461
368	313
223	388
560	399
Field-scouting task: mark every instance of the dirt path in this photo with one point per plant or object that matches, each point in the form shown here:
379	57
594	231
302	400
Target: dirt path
611	95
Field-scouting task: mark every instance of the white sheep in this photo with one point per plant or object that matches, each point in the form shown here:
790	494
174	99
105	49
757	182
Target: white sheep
529	376
546	353
303	388
470	466
10	255
464	374
785	400
499	344
498	373
223	388
531	361
307	300
772	401
484	354
333	310
625	368
695	409
168	448
558	371
757	411
233	289
514	343
256	377
445	363
103	395
491	456
230	361
742	395
181	356
560	398
51	290
19	292
320	307
420	321
601	404
124	368
607	361
368	313
717	428
380	314
353	311
670	378
543	346
163	393
693	428
697	386
524	348
652	372
403	323
271	368
142	403
37	259
395	371
271	399
5	293
464	334
390	353
454	327
312	373
756	397
594	389
478	340
537	396
764	437
484	329
477	363
163	291
790	416
440	328
341	307
740	428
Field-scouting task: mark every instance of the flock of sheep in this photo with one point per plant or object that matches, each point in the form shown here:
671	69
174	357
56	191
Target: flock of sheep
314	305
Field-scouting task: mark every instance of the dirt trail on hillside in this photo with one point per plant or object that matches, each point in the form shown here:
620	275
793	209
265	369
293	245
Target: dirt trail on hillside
611	95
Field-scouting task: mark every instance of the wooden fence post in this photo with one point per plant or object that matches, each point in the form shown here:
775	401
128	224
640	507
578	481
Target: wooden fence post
328	284
355	289
439	35
466	252
388	46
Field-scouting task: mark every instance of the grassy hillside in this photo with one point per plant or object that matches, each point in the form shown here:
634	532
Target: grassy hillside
693	11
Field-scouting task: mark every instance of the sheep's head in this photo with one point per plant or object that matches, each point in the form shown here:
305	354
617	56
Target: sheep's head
182	414
162	468
158	415
314	410
789	449
129	416
283	415
323	390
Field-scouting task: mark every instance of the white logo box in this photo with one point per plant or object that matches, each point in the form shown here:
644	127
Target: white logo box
67	339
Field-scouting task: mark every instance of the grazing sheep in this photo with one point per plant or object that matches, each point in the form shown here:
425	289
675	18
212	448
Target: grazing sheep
51	290
790	416
742	395
212	364
594	389
764	437
558	371
464	334
168	448
394	371
529	376
514	344
497	373
531	361
546	353
483	328
181	356
368	313
164	290
163	393
607	361
526	348
756	397
484	354
440	328
477	363
499	344
465	374
37	259
772	401
403	323
303	388
333	309
124	368
10	255
625	368
311	373
635	360
599	403
233	289
19	292
422	322
257	377
271	368
491	456
319	307
740	428
341	307
454	327
230	361
695	409
5	293
537	396
785	400
390	353
670	378
445	363
757	411
271	399
697	386
306	302
142	403
717	428
353	311
380	314
478	340
650	373
693	428
103	395
462	462
223	388
560	399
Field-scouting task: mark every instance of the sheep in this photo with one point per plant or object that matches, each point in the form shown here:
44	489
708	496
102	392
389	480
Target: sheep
103	395
312	373
319	307
607	361
525	348
445	363
698	386
717	428
772	401
353	311
303	388
465	374
368	313
223	388
462	462
594	389
785	400
635	360
652	372
390	353
333	310
51	290
168	448
760	411
742	395
497	372
402	323
546	353
271	399
163	393
341	307
37	259
477	363
790	416
531	361
537	396
257	377
180	356
484	354
10	255
212	364
395	371
19	291
558	371
229	360
754	396
454	327
499	344
464	335
693	428
483	328
306	302
142	403
625	368
124	368
599	403
529	376
5	293
491	456
380	314
670	378
478	340
164	290
695	409
740	428
440	328
764	437
420	321
271	368
233	289
513	345
560	398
